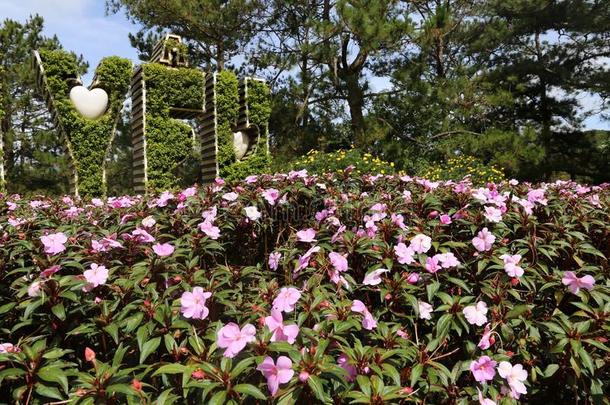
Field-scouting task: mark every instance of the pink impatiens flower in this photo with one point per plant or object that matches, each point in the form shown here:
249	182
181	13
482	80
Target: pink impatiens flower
338	261
193	303
234	339
404	253
306	235
447	260
484	401
483	369
252	213
484	240
445	219
95	276
374	277
575	283
286	299
271	195
510	265
421	243
493	214
514	376
432	264
213	232
281	332
485	341
276	374
425	310
163	249
34	290
368	322
274	260
476	314
54	242
350	369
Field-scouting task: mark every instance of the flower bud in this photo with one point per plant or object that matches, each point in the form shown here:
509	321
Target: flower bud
89	355
303	376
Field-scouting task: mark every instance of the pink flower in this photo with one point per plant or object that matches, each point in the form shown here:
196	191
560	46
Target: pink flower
413	278
274	260
193	303
510	265
425	310
344	363
404	253
445	219
54	242
8	348
575	284
338	261
306	235
252	213
432	264
368	322
304	260
374	277
235	339
276	374
484	401
141	236
493	214
447	260
213	232
476	314
483	241
421	243
281	332
514	376
210	214
483	369
232	196
34	289
271	195
95	276
485	341
537	196
286	299
163	249
149	222
46	273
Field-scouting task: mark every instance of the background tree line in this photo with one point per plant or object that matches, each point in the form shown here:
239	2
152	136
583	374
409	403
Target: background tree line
413	82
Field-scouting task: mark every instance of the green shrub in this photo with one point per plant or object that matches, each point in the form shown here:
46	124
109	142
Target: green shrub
459	167
328	162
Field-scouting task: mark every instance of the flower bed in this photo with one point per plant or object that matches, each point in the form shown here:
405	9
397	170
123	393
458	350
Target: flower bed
299	289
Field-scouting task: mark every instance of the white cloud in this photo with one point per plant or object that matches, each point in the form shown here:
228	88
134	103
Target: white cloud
81	26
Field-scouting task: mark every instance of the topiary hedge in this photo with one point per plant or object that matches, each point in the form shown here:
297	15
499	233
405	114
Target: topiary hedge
309	289
88	141
169	141
259	110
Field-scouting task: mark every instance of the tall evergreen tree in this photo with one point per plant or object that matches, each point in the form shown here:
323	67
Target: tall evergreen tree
33	158
217	30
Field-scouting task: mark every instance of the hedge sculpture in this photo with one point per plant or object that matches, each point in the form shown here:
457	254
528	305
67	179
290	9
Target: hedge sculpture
87	140
226	118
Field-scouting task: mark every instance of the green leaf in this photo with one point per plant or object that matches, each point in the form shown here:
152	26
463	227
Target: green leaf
218	398
415	374
315	384
173	368
249	390
49	392
148	348
54	374
550	370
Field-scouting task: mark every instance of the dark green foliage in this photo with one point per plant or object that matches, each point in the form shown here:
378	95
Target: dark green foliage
259	110
169	142
88	141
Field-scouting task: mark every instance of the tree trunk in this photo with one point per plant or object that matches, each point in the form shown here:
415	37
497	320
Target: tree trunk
355	100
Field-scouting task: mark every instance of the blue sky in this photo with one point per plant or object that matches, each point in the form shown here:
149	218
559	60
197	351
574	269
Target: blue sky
83	27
